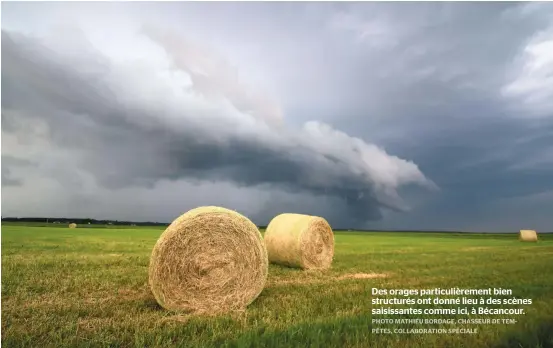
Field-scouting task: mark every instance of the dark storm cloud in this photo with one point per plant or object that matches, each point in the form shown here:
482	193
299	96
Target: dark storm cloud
439	99
461	89
132	145
418	67
477	166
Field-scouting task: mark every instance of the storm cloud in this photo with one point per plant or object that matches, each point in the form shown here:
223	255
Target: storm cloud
392	115
131	127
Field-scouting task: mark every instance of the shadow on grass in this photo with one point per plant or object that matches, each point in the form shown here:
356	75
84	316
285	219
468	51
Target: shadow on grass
337	333
151	304
356	331
540	337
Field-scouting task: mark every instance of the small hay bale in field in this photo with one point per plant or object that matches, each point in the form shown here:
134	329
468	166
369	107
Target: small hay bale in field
528	236
209	260
73	225
297	240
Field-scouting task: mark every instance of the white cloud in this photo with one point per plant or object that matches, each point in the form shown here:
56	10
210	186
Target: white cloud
532	85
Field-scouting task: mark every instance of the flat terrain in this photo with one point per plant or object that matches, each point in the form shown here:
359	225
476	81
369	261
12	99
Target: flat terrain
88	288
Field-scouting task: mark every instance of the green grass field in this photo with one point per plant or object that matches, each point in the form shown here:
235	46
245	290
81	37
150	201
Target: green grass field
88	288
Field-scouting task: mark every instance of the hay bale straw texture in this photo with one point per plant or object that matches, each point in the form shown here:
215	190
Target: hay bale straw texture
528	236
209	260
73	225
297	240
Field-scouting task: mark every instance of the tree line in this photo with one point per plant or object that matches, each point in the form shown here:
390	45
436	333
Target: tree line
81	221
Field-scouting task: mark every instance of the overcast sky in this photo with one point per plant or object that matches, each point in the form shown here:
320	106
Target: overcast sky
373	115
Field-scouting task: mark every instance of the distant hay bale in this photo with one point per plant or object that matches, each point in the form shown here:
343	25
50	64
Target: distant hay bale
297	240
208	260
72	225
528	236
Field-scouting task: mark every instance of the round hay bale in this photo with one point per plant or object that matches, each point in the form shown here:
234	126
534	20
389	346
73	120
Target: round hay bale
72	225
528	236
297	240
209	260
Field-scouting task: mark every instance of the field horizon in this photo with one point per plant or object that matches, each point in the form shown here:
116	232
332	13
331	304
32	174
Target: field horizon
31	222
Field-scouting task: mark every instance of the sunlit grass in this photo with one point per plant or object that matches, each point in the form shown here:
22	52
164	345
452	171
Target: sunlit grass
88	288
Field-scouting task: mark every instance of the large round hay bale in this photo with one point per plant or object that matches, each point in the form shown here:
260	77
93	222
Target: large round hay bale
528	236
208	260
297	240
72	225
